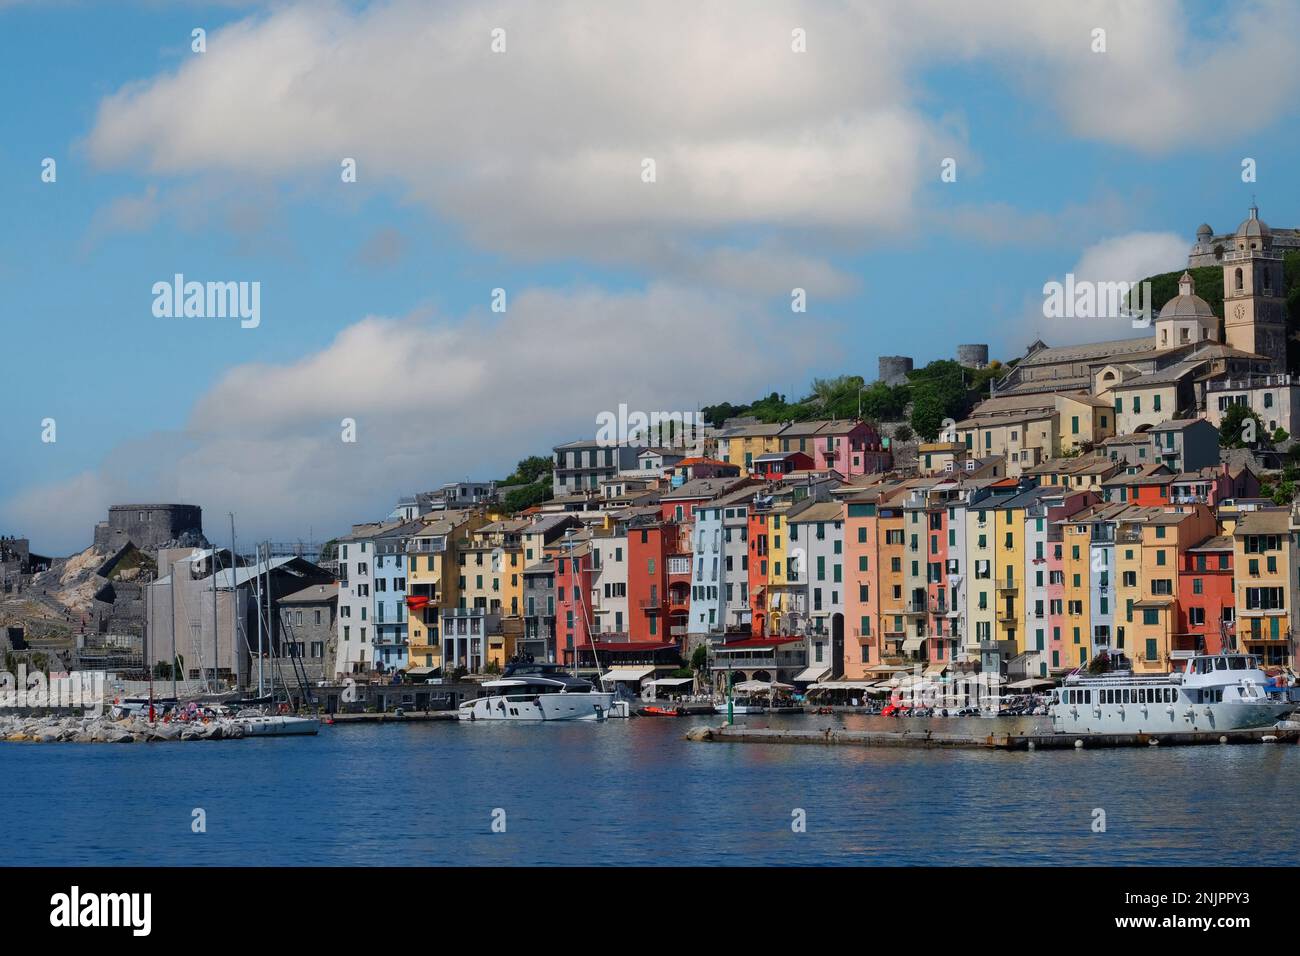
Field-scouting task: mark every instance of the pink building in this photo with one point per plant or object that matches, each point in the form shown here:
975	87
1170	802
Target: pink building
849	447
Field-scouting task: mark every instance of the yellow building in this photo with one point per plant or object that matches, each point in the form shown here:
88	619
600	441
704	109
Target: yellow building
1149	545
1084	420
741	445
1263	558
491	578
938	457
1076	605
1009	585
432	560
1022	428
1082	473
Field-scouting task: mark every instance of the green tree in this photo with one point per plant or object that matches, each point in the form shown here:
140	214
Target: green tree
884	403
717	414
1209	286
938	391
530	469
1234	431
522	497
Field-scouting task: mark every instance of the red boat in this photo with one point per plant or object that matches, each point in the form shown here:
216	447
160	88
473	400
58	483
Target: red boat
654	710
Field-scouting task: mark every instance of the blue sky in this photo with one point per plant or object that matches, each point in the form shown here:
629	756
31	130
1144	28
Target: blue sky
776	170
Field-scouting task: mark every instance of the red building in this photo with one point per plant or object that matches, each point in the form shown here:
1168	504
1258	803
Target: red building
1206	603
574	616
777	465
650	545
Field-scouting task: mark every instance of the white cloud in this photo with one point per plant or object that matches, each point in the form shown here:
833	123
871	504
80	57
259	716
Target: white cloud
1125	258
434	400
538	150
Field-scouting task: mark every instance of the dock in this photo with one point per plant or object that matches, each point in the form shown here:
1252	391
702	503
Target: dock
416	717
929	740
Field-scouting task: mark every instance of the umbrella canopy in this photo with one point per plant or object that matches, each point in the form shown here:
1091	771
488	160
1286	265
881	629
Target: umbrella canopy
1030	682
755	686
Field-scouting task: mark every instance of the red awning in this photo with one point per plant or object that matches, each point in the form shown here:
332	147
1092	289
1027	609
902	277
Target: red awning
641	647
749	643
417	602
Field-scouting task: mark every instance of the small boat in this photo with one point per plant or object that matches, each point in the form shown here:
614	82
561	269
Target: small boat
139	707
658	710
1215	692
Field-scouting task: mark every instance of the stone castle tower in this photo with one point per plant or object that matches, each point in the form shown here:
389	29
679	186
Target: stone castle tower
1254	303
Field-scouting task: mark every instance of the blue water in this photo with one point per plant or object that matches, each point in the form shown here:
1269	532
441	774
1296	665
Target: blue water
635	792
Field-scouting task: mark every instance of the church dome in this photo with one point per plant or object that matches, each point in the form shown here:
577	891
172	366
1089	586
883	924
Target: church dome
1204	231
1187	304
1253	227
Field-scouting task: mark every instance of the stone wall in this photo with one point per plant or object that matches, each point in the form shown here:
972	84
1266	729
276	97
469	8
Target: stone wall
150	527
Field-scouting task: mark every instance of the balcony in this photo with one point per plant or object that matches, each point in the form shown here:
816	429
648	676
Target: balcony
1007	585
651	605
1254	381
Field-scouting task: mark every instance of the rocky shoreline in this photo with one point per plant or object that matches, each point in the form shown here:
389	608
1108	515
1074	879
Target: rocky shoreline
105	730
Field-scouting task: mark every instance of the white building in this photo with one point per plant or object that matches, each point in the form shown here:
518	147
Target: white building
354	653
1274	398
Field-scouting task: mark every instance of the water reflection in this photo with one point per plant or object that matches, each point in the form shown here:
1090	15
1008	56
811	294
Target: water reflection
636	792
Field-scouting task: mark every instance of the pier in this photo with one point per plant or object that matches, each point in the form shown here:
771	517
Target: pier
928	740
392	717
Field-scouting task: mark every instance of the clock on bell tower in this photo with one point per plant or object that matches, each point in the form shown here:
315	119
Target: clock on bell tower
1254	306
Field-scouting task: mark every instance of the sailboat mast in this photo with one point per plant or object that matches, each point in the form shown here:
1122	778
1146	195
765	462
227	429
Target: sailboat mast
234	598
269	627
171	593
259	622
212	685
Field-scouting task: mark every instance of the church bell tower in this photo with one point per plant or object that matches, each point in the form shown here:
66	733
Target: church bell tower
1254	302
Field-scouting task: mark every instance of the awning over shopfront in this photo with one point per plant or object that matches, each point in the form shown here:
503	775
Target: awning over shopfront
843	685
887	669
636	674
1031	682
811	674
935	669
670	682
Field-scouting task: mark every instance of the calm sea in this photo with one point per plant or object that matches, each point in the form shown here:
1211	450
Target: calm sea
635	792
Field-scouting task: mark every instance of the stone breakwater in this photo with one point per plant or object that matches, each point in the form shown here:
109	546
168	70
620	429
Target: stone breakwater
105	730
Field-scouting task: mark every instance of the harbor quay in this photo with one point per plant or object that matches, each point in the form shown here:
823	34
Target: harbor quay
1026	741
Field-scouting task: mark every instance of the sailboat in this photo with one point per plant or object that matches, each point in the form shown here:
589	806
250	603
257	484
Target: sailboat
262	720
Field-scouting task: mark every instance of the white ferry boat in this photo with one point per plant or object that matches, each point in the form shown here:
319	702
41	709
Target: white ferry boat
1215	692
542	692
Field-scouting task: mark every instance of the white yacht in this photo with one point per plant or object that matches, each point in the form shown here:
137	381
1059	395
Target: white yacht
542	692
1215	692
257	724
